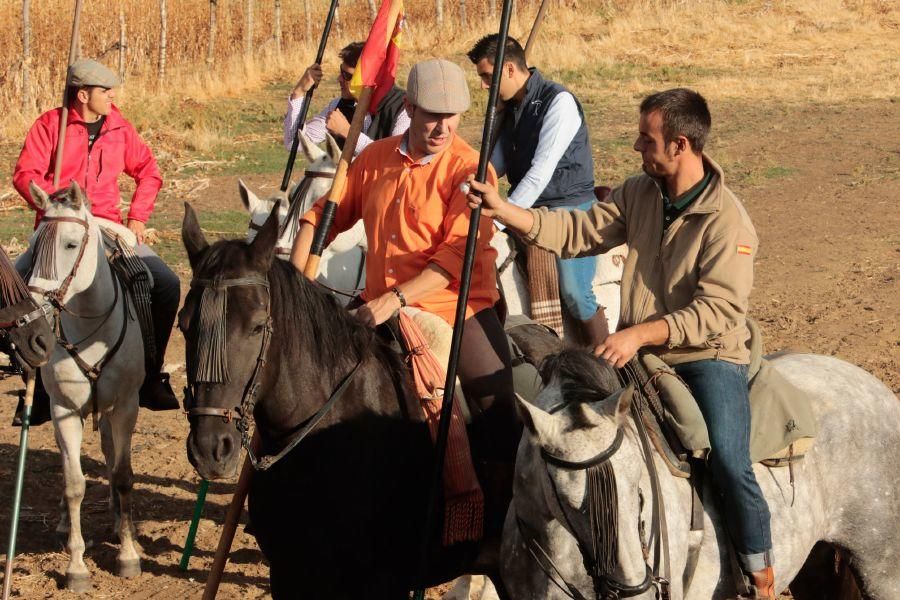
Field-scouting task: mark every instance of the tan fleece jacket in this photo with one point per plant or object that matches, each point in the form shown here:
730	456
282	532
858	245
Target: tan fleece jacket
697	274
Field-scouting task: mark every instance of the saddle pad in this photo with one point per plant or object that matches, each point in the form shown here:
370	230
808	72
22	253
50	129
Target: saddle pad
543	285
780	414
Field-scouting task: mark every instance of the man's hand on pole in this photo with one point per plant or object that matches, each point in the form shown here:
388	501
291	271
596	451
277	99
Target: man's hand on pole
310	78
495	207
337	124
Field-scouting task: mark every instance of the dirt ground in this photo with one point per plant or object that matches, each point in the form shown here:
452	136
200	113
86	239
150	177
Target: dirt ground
827	282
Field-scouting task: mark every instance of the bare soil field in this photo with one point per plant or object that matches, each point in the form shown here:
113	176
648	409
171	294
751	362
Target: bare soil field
820	181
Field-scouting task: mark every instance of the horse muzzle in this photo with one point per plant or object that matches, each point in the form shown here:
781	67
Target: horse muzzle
214	449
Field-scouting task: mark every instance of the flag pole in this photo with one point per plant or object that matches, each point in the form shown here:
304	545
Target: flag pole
311	270
307	100
461	303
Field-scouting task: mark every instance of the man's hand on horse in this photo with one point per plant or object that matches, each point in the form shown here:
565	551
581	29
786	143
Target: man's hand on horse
337	124
621	346
137	228
379	310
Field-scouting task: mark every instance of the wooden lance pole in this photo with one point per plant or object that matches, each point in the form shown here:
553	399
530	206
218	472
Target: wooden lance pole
64	114
311	270
462	301
307	100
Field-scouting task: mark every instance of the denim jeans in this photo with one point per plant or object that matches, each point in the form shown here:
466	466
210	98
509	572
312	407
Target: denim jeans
721	390
576	280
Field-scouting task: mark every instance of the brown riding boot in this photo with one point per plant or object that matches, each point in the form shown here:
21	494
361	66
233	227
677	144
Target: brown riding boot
596	329
762	584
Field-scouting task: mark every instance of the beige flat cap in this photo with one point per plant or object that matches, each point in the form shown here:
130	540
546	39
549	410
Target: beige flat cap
86	72
438	86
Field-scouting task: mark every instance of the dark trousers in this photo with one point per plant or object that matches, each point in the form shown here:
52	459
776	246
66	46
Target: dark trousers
164	300
721	390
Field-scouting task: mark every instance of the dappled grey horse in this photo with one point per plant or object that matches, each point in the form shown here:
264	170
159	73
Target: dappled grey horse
96	368
846	493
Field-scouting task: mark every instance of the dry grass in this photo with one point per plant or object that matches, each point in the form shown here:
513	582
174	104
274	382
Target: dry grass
788	51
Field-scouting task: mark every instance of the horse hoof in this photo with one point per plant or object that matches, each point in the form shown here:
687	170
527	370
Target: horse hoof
78	582
129	568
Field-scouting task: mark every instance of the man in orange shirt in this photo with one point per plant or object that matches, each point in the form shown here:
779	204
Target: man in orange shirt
406	189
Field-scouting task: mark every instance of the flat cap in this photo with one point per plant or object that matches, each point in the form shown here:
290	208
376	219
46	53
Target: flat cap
438	86
86	72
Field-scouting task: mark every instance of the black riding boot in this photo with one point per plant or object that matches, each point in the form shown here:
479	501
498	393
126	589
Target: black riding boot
156	392
40	406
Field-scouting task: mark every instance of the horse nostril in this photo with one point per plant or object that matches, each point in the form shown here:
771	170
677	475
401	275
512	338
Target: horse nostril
41	343
223	449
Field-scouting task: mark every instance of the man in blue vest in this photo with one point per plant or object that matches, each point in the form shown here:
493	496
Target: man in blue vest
545	154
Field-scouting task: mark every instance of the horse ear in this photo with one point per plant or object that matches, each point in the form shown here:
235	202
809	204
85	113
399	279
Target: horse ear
194	241
310	150
38	196
334	151
248	198
77	197
542	426
617	405
262	248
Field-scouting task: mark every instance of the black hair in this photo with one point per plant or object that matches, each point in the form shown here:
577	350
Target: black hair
486	47
684	112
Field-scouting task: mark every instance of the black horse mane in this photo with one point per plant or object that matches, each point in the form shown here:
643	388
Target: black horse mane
582	376
335	336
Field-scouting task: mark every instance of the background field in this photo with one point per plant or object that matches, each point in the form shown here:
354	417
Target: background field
806	124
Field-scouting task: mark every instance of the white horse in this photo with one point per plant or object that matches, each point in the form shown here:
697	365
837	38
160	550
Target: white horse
846	493
100	372
342	266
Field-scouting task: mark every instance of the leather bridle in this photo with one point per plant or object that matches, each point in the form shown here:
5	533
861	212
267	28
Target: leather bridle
605	586
242	415
54	298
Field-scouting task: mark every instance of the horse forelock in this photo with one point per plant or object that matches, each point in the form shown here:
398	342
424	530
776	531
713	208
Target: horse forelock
580	376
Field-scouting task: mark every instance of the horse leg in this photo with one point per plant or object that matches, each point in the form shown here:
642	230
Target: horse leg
106	445
121	428
69	431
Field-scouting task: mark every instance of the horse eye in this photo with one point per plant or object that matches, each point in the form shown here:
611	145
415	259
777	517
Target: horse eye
258	329
71	245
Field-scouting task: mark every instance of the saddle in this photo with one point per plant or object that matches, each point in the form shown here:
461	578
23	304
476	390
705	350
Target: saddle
782	427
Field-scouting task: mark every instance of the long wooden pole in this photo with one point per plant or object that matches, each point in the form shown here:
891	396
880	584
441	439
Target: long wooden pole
311	270
64	114
307	99
20	483
461	302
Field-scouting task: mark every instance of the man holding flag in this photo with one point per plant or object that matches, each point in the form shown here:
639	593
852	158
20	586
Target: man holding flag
388	117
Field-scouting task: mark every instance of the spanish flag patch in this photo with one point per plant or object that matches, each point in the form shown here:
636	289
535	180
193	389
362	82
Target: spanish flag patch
741	249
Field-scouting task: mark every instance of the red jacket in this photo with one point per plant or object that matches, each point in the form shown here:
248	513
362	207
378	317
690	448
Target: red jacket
117	149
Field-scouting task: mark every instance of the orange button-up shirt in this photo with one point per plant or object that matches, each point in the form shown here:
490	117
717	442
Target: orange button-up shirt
415	214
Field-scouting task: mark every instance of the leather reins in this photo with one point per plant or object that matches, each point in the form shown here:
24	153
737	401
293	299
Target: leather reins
55	298
605	586
242	415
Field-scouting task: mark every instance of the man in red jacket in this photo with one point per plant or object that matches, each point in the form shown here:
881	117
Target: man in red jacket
100	145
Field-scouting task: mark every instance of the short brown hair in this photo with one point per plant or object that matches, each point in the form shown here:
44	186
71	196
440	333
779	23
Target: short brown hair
486	47
349	54
684	112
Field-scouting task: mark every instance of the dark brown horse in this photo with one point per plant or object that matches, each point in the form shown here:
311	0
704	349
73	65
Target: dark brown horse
341	515
24	330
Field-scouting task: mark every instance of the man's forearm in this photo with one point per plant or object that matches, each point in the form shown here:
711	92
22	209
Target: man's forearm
653	333
513	217
302	244
431	279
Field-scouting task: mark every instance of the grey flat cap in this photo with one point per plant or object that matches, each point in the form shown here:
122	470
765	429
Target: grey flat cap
438	86
86	72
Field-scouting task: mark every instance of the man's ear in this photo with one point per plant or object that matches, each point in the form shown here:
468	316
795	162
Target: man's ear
410	108
83	95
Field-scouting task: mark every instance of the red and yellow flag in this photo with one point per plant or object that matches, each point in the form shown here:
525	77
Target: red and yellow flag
377	66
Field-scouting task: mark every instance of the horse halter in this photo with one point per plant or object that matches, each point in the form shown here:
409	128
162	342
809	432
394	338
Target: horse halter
213	368
600	556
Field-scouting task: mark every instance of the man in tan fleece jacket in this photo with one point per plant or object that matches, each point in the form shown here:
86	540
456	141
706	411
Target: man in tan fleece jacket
685	290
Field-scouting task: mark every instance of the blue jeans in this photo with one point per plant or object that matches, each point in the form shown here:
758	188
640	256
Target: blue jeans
721	390
576	280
